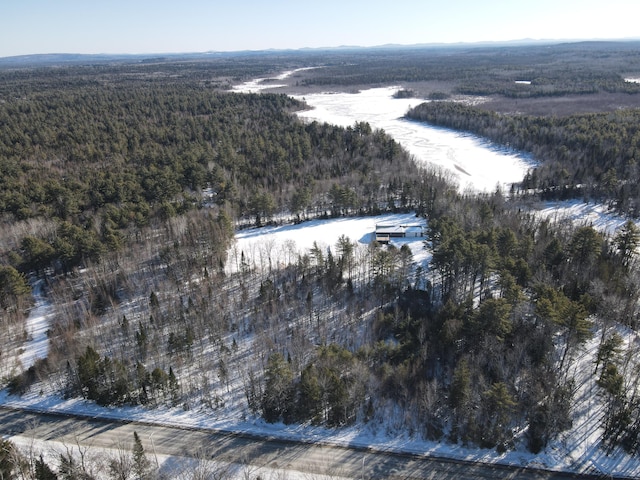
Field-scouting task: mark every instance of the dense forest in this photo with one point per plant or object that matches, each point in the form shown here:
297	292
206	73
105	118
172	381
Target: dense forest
552	70
105	162
120	190
590	156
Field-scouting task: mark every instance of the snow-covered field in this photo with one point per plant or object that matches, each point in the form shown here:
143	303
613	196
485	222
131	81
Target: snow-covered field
477	165
281	244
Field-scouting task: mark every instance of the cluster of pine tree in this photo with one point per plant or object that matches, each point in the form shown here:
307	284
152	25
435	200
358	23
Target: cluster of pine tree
590	156
143	184
483	348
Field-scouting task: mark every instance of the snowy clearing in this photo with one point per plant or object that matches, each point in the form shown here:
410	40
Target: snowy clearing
281	244
37	325
583	214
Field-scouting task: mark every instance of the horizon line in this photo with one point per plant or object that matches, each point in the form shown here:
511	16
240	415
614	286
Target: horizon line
522	41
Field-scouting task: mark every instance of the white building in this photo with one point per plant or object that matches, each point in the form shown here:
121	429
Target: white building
384	233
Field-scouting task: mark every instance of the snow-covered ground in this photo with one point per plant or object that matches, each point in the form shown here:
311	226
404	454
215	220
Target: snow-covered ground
581	446
583	214
576	450
283	243
478	164
37	326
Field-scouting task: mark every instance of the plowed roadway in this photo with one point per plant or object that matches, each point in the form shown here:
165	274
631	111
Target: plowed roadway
350	462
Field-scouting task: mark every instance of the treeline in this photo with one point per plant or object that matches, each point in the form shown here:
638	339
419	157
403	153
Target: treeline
167	311
20	79
552	70
107	160
590	156
484	346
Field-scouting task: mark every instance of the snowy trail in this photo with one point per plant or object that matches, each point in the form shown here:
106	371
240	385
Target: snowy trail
287	241
37	325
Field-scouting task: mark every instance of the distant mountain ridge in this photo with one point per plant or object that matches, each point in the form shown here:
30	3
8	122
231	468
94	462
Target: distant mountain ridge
82	58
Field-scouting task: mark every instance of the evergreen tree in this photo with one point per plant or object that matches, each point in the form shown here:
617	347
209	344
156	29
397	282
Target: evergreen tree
90	374
174	387
13	286
43	471
153	300
68	469
310	396
627	241
585	245
278	389
460	391
499	407
141	464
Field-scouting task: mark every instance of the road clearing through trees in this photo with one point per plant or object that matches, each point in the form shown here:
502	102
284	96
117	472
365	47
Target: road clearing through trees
255	450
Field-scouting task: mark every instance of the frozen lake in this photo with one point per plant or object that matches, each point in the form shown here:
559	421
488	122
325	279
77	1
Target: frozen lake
476	164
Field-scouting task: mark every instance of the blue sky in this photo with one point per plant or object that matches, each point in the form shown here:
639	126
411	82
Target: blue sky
162	26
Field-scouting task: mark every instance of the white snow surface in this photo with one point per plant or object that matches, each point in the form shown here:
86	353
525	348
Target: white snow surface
259	84
583	214
576	450
476	164
37	325
283	243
